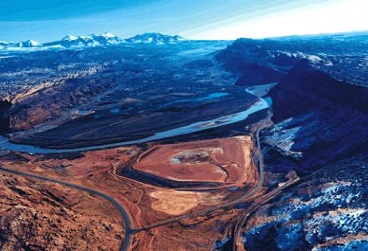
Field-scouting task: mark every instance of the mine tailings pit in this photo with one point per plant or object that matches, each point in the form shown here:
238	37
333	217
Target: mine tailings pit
162	182
231	162
215	163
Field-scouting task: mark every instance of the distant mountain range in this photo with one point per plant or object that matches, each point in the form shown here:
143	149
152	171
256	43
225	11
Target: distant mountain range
93	40
155	38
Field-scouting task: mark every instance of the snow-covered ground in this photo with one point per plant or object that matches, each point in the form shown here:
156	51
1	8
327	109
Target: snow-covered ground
326	214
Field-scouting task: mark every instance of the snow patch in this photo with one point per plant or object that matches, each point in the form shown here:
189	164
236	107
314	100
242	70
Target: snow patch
108	35
70	38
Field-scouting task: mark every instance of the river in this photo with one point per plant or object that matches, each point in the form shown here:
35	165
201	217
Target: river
261	104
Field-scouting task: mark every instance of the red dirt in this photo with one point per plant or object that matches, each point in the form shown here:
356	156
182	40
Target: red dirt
38	215
226	161
148	204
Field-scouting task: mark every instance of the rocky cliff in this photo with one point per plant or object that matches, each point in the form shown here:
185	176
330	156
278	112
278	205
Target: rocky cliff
4	120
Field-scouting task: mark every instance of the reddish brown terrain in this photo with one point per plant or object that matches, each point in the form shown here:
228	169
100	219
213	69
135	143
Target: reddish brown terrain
39	215
294	178
223	161
158	214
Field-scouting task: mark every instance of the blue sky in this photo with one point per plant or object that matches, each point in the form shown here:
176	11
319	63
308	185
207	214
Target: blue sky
47	20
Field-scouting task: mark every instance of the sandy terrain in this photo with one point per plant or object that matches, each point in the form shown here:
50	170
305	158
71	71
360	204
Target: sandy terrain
178	202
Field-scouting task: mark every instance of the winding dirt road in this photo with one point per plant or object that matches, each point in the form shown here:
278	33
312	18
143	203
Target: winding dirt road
127	222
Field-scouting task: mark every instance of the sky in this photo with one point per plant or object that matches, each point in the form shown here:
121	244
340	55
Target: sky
48	20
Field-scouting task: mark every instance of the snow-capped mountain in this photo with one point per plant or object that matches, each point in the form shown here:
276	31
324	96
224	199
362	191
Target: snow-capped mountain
155	38
21	45
93	40
3	44
69	38
30	43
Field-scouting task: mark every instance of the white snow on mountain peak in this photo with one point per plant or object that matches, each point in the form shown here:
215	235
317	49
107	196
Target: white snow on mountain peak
70	38
30	43
88	37
155	38
93	40
108	35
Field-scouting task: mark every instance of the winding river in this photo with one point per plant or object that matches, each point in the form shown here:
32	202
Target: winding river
261	104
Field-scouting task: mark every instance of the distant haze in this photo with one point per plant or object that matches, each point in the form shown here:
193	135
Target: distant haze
45	20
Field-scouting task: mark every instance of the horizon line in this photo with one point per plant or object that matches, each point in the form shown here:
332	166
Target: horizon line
203	39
